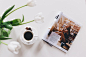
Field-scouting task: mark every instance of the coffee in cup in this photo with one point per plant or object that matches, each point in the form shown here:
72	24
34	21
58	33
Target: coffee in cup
28	35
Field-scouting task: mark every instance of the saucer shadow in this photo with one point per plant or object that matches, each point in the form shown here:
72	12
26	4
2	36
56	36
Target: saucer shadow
24	45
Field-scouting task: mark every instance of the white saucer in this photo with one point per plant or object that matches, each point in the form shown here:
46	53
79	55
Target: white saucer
31	41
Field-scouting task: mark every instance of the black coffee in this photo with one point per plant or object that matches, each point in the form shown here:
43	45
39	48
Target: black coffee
28	35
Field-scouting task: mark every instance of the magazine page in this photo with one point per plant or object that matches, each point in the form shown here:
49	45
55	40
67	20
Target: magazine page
62	32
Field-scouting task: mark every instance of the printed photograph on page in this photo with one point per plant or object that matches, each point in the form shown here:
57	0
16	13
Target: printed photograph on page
63	32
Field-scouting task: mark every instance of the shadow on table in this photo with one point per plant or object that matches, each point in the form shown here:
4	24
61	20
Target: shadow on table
36	47
24	48
40	45
13	35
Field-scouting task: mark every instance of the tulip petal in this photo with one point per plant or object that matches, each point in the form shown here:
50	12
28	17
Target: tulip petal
31	3
14	47
39	18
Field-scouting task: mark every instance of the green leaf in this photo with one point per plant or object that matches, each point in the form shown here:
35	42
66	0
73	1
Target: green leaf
0	31
5	32
15	22
0	41
0	20
7	25
23	18
7	11
0	17
5	38
8	22
2	37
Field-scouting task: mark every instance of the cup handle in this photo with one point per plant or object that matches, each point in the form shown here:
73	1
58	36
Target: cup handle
35	36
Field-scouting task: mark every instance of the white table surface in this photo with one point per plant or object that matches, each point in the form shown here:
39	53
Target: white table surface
75	9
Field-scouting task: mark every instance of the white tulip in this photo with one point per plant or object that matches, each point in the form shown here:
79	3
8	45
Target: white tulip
14	47
39	18
31	3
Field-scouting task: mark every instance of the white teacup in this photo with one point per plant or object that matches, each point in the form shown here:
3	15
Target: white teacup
28	36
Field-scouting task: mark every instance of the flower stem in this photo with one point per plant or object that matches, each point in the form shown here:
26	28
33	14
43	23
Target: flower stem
27	22
4	43
15	10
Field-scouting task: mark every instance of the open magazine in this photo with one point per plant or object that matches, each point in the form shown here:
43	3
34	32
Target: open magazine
62	32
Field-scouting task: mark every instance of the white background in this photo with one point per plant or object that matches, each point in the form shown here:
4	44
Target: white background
75	9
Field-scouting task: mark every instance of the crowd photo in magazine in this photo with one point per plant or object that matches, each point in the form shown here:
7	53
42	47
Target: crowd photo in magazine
63	32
